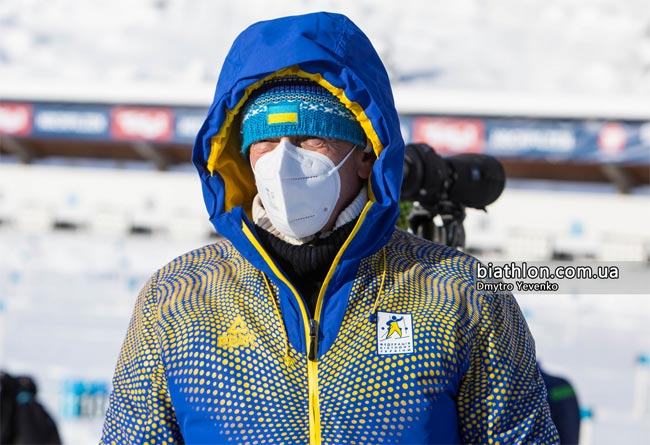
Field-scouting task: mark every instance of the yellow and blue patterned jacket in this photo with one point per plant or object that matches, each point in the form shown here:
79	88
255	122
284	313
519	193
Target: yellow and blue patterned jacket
401	349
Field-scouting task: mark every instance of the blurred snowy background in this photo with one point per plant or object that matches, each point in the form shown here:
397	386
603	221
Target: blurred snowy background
66	296
558	46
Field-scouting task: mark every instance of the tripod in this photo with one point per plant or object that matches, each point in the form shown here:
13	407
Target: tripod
441	222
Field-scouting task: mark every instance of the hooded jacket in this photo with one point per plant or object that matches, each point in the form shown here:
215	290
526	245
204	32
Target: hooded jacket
401	348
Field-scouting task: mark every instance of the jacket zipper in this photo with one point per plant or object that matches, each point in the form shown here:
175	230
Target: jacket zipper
313	339
312	375
311	333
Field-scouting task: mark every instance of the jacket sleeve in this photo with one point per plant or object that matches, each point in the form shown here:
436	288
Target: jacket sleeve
140	409
502	397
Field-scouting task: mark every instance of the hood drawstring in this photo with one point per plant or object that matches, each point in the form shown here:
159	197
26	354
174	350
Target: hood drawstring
372	316
288	360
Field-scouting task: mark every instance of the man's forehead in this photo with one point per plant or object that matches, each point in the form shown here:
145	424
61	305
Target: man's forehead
296	106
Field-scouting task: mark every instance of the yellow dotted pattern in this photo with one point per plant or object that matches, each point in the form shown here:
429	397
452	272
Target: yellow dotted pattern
140	408
221	391
471	378
393	398
208	331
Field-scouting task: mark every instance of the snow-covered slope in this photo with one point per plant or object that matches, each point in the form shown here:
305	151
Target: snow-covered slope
533	46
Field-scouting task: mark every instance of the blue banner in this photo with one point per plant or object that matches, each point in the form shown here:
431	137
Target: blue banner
406	126
581	141
187	123
75	121
557	140
529	138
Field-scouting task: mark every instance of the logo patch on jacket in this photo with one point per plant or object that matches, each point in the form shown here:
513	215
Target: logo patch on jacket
394	333
237	336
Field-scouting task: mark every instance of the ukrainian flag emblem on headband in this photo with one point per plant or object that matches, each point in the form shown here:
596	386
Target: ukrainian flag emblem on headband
296	107
282	114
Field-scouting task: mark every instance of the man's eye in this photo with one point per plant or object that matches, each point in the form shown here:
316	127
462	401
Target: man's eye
263	145
313	142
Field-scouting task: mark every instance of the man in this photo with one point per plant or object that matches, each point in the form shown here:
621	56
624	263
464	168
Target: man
278	333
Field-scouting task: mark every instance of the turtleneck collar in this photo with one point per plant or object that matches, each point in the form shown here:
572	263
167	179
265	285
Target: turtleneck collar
350	213
306	261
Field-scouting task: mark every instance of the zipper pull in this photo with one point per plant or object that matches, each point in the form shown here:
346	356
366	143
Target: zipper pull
313	339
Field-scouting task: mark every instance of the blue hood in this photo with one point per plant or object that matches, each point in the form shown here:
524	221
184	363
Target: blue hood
332	51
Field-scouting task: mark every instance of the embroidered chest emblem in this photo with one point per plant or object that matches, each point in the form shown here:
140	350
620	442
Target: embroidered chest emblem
394	333
237	336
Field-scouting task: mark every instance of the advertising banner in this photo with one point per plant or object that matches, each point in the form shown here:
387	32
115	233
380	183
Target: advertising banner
555	140
450	135
536	139
142	123
405	126
15	119
71	121
624	142
512	137
187	123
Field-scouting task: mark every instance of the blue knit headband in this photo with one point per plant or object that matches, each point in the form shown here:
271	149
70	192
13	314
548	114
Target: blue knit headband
292	106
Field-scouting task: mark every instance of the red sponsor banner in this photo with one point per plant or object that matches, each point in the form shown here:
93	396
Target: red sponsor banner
15	119
612	138
139	123
450	136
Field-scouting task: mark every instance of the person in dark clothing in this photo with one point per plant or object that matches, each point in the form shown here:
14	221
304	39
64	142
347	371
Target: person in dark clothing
23	420
565	410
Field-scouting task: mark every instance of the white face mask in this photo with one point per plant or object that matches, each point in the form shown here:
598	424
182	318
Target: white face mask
299	188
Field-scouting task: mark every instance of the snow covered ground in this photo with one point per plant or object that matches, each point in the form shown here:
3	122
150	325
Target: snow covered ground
535	46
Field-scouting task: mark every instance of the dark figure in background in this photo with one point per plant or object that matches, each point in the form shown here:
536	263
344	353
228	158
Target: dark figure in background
565	410
23	420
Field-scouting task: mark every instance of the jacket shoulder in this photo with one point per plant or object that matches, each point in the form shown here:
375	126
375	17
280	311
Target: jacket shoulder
194	273
202	259
412	251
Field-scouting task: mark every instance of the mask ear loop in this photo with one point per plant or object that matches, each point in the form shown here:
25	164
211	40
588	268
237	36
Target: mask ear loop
340	164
